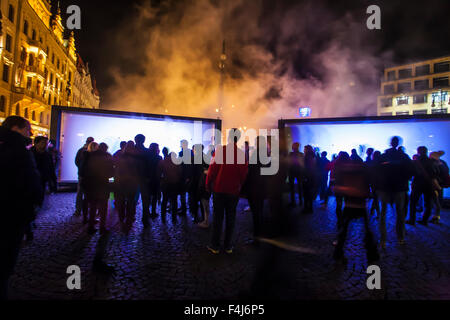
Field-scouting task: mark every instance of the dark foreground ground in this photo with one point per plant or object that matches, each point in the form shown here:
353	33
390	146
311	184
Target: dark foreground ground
170	260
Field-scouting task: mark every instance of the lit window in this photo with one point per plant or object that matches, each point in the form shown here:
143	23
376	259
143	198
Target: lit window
439	96
402	100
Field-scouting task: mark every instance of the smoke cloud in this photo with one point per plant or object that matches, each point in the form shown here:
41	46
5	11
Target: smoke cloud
280	55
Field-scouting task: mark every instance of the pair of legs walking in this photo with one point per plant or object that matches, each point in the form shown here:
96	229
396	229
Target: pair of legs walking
224	208
292	178
100	206
169	195
126	207
81	205
350	214
416	193
398	199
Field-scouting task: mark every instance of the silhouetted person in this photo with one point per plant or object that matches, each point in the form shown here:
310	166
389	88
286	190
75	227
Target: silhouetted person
170	176
331	168
280	224
20	191
81	202
296	168
123	145
204	194
103	147
256	187
437	188
145	177
369	154
56	156
341	162
165	152
126	178
154	186
194	187
375	181
96	169
352	182
395	171
186	168
310	179
247	151
425	172
355	157
225	181
44	162
443	180
324	170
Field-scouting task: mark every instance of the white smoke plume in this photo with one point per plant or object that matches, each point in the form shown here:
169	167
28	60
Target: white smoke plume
180	44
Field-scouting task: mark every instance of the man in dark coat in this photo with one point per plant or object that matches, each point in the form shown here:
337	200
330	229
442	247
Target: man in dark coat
324	170
95	170
395	170
81	202
255	186
20	191
154	186
425	178
187	156
126	179
145	176
296	170
44	161
353	183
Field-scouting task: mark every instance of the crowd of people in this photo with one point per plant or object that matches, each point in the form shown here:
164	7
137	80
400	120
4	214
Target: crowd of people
139	173
388	178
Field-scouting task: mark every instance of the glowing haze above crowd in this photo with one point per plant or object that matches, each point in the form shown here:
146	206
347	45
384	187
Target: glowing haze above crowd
279	57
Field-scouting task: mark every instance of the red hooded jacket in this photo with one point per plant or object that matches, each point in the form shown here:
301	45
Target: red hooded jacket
227	178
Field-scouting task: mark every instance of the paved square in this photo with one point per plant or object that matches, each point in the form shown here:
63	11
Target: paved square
170	260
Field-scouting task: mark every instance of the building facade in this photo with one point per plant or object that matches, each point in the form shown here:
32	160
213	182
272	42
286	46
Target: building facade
416	88
39	67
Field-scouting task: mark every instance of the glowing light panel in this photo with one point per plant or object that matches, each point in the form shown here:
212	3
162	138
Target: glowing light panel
112	129
346	135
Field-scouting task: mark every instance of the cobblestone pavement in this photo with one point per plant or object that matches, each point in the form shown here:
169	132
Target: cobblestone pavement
170	260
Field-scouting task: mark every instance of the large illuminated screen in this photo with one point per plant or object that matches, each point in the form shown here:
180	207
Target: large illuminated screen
114	128
335	136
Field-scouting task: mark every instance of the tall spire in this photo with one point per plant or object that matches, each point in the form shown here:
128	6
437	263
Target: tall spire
71	46
57	26
223	58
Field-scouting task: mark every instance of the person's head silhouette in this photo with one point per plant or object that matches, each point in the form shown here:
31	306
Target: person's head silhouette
139	139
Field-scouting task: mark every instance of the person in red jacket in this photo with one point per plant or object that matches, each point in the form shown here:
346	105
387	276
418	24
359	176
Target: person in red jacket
226	175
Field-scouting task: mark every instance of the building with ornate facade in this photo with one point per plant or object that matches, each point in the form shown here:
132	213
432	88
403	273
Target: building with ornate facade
417	88
39	67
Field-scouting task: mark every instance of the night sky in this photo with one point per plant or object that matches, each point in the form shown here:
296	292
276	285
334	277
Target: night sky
411	31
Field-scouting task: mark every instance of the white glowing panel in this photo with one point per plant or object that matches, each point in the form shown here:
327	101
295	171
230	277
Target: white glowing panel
345	136
112	129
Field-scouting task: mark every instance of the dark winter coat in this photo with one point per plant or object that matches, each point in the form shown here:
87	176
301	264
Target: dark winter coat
95	171
20	187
